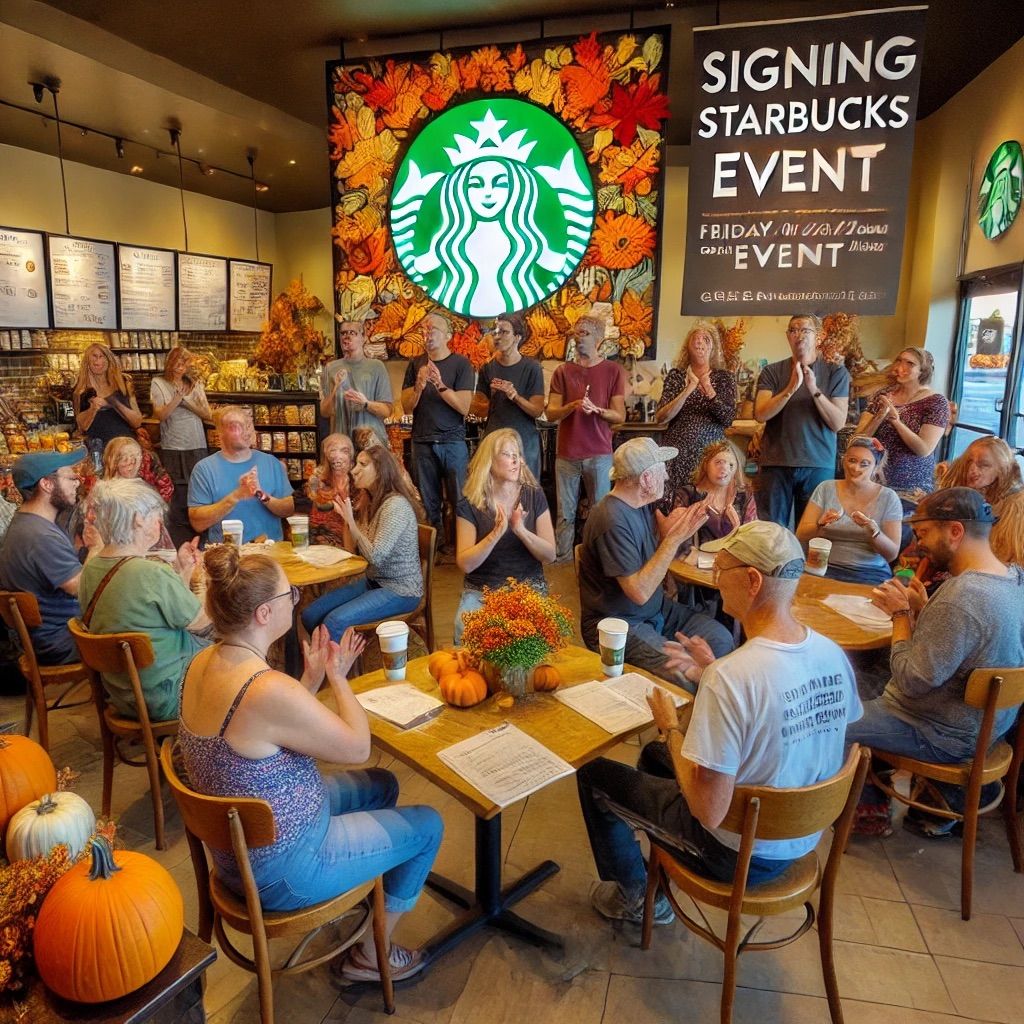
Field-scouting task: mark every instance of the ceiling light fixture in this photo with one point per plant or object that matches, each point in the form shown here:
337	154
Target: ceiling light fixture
250	156
174	130
119	148
262	186
136	169
52	86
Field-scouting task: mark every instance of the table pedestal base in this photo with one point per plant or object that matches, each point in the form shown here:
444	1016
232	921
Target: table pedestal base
490	903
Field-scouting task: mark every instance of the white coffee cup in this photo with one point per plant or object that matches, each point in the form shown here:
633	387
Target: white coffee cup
611	638
300	531
394	648
705	559
232	530
817	556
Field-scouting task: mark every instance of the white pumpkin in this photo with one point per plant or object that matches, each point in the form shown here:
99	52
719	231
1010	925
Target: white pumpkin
54	818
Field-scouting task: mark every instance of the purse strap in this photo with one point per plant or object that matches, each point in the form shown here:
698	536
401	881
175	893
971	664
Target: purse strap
87	617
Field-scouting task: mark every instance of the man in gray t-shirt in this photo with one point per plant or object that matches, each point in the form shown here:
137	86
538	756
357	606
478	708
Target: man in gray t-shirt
803	403
356	390
975	619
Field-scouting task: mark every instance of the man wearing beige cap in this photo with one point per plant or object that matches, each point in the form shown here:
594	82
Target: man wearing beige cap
626	552
772	713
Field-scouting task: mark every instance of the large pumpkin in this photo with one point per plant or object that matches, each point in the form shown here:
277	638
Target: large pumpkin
41	825
108	927
463	689
443	662
26	773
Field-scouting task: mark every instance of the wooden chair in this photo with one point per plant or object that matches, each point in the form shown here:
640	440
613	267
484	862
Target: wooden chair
759	812
989	689
421	618
20	612
125	653
239	824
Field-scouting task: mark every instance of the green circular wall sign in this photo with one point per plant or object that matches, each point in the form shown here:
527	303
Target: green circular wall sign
1000	193
492	207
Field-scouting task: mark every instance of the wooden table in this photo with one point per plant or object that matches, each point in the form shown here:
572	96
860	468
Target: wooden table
808	608
559	728
174	996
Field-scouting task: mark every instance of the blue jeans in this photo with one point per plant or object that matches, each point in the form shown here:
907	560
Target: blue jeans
650	792
361	834
783	491
568	472
358	603
439	464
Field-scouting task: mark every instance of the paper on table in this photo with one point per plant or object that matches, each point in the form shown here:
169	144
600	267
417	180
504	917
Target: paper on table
403	704
860	610
323	555
635	687
615	705
505	764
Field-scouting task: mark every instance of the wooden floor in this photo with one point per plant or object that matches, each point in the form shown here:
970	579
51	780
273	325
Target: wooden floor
903	954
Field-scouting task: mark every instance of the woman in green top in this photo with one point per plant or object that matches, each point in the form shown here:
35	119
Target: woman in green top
121	590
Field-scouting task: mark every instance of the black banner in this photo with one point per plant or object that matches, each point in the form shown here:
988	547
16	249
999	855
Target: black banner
801	147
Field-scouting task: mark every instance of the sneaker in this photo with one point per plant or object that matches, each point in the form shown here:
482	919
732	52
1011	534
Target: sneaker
608	899
923	824
404	964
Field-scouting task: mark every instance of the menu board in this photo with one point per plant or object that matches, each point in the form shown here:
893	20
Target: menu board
146	288
23	295
250	295
202	293
83	283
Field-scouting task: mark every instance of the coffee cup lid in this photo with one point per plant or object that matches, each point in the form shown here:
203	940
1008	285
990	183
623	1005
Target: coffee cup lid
614	625
392	628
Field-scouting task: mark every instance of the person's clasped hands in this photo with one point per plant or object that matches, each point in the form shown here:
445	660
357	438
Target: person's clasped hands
688	655
893	598
321	656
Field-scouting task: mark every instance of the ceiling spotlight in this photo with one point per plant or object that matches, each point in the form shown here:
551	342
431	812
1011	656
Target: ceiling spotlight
291	163
136	169
119	148
85	131
262	186
37	90
205	169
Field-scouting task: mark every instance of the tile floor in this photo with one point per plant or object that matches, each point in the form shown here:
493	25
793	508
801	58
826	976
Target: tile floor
903	955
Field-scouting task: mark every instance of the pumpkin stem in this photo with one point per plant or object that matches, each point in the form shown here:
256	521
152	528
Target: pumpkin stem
103	865
46	805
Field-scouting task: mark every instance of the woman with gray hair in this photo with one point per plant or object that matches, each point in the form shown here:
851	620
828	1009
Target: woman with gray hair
121	590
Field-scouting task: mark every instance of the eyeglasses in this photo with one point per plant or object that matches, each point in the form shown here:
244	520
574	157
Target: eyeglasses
292	592
801	331
511	456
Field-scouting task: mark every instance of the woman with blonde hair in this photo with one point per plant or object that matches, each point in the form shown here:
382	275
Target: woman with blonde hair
180	405
331	481
990	467
247	730
383	524
104	399
503	526
698	402
727	492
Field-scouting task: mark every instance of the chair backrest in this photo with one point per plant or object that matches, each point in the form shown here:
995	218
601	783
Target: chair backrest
206	817
19	604
427	536
107	652
1010	690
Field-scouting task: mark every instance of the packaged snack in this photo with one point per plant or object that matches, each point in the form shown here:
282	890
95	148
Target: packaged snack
266	441
309	441
307	415
291	415
294	441
261	415
295	469
280	441
308	468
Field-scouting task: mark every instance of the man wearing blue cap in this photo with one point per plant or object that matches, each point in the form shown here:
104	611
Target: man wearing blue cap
37	555
975	619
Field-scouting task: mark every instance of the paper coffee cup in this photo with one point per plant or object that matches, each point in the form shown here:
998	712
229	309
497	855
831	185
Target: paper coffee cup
232	530
611	637
300	531
393	637
705	559
817	556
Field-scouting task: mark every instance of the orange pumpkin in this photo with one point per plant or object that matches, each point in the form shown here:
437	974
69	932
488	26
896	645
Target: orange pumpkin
443	662
546	678
26	774
463	689
108	927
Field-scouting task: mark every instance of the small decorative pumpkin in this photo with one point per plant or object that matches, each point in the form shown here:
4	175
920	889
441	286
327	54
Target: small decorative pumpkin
546	678
26	773
463	689
443	662
108	927
54	818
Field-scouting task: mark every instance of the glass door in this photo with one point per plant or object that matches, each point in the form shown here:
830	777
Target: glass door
986	371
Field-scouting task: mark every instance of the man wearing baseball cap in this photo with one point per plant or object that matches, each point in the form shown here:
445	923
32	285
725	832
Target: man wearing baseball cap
772	713
626	552
975	619
37	556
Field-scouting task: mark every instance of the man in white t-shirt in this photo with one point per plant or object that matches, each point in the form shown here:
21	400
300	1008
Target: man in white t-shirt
772	713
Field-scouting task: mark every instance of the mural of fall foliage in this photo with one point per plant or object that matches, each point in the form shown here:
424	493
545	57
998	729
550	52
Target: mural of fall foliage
609	92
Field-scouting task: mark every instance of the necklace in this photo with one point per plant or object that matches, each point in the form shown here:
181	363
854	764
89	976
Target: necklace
262	656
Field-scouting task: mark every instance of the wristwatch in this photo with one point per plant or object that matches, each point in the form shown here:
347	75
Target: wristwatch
441	390
262	496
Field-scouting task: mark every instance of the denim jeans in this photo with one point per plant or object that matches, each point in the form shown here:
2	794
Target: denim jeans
439	464
785	490
358	603
361	834
651	793
568	472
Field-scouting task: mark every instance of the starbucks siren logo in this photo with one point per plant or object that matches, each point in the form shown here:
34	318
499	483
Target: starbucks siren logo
492	207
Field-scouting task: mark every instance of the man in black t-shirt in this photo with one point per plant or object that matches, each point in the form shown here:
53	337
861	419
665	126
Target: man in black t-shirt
437	391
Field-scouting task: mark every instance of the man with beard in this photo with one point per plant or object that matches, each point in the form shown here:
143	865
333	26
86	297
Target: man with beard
974	620
37	555
802	401
357	390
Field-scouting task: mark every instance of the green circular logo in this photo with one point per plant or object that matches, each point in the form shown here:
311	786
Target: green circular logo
492	207
1000	192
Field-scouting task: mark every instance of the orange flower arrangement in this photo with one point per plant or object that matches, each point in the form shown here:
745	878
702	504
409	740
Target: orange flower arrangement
289	339
516	627
620	241
840	340
733	340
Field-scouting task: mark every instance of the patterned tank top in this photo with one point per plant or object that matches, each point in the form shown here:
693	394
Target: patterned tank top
288	781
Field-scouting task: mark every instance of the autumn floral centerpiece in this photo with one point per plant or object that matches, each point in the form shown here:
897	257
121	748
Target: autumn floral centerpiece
289	340
514	631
